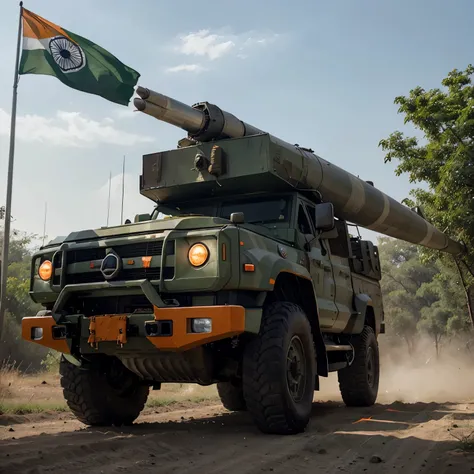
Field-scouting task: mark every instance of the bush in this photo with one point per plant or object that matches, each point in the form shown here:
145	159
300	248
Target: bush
14	351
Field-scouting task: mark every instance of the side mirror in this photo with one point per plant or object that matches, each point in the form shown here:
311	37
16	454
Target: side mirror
142	218
324	216
237	218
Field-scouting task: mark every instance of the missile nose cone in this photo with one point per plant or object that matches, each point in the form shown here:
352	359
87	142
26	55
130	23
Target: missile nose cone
143	92
140	104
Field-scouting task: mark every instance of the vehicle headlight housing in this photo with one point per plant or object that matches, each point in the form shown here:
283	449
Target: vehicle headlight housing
198	255
201	325
45	270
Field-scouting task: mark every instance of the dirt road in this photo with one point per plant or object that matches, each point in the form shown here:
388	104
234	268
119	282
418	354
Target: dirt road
408	438
422	408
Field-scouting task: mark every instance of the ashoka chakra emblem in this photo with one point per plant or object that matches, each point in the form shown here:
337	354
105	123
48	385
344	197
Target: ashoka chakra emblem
66	54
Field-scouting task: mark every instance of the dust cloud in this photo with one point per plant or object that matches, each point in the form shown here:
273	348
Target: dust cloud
421	377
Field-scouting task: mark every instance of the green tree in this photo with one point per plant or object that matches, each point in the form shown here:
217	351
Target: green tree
420	297
19	304
443	158
434	322
403	277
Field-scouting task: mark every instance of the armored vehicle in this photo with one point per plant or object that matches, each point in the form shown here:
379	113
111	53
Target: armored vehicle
245	275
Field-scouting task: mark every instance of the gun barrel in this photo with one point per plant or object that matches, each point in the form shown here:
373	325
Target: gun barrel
202	121
169	110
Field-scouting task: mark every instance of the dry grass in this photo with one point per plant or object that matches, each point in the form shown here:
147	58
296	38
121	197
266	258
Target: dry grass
465	438
15	408
27	394
182	394
9	376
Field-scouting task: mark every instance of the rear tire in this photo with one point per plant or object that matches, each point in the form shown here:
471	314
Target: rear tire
279	369
103	395
232	396
359	383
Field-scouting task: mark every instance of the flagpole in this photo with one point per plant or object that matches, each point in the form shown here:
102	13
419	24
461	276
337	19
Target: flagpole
123	188
8	204
108	201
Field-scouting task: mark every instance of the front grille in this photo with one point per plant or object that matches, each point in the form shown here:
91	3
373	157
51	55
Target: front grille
150	248
85	255
144	249
141	249
127	274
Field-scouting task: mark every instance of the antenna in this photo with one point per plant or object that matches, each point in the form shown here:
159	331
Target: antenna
108	202
44	224
123	188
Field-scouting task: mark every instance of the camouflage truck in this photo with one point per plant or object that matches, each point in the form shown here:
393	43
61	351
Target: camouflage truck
245	275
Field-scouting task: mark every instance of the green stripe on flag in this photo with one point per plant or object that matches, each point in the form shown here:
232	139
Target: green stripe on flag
84	66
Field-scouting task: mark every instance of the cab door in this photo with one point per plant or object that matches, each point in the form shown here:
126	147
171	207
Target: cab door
340	250
320	266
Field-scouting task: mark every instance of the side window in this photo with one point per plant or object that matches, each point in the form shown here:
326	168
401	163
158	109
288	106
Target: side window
312	214
340	245
303	223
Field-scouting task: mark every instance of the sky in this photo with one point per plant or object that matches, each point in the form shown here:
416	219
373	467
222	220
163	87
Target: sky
323	74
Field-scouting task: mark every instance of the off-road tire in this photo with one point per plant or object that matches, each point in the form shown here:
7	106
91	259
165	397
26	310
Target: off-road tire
266	371
232	396
359	383
95	401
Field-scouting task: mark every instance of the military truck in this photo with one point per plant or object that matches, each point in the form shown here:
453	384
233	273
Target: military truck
246	274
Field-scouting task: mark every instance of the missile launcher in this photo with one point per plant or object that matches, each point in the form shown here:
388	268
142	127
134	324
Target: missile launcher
261	162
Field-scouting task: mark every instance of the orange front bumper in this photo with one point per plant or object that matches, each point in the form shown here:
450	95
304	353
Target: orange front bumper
227	321
47	324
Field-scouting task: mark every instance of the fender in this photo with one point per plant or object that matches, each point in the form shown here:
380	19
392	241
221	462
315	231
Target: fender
268	265
310	306
357	320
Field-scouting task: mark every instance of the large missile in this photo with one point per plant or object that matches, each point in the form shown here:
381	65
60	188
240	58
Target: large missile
354	200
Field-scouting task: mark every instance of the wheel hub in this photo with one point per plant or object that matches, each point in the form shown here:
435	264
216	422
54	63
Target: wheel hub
296	369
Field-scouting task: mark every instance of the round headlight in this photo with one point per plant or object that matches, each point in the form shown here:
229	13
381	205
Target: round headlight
198	255
45	270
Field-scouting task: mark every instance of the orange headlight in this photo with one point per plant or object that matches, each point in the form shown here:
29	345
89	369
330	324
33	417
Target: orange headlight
198	255
45	270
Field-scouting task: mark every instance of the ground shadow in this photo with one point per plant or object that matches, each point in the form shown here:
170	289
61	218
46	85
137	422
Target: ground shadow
338	439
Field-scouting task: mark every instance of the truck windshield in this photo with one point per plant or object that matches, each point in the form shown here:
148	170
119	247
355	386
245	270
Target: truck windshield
256	211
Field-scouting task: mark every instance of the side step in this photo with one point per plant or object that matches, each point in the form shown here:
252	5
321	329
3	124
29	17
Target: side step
338	347
340	356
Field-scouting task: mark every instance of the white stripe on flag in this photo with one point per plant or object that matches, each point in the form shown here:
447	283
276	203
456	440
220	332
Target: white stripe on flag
35	43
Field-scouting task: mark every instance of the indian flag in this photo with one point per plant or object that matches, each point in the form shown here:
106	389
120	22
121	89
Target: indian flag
75	61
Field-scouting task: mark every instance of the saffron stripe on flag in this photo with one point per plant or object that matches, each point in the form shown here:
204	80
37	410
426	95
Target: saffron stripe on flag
36	27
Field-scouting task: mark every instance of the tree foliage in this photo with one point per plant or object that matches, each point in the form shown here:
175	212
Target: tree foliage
420	298
442	157
19	304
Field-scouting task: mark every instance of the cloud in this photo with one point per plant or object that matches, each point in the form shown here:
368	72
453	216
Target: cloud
127	113
186	68
203	43
212	46
69	129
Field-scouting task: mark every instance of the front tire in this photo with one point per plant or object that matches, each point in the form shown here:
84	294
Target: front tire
232	396
279	369
359	383
103	395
